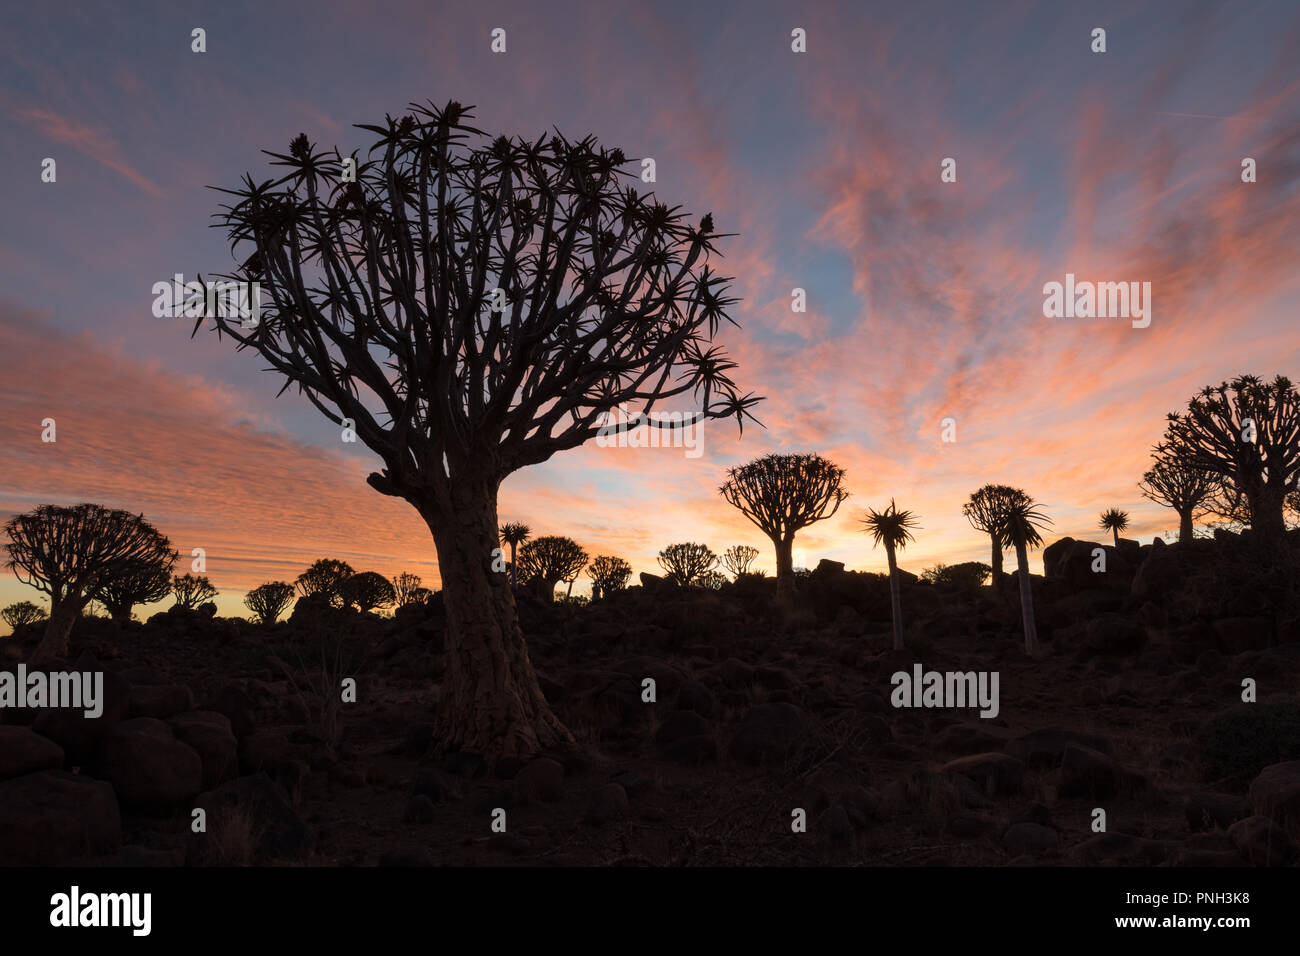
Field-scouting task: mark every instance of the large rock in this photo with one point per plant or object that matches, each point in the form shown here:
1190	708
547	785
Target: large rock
147	766
160	700
973	737
249	821
1115	633
23	751
680	724
54	817
234	701
1262	842
1044	748
209	733
995	773
541	780
1088	773
77	734
768	733
1275	794
1237	634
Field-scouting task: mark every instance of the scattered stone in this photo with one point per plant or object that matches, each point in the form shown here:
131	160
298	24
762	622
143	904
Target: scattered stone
1262	842
22	751
53	817
148	767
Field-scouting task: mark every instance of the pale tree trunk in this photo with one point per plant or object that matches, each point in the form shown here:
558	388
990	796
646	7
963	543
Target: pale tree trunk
895	599
1185	526
58	630
784	568
1027	600
1115	531
491	703
513	565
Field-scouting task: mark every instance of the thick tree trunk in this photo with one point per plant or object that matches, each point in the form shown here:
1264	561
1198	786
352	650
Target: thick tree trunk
1027	601
895	599
491	703
784	568
58	630
1185	531
996	563
1266	518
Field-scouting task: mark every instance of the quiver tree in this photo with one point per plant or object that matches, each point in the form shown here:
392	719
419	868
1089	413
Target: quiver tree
403	586
70	553
738	558
1246	433
545	562
139	582
269	601
367	591
324	580
514	533
22	613
1019	526
1114	521
781	495
985	511
608	573
893	529
471	306
1176	484
191	590
686	563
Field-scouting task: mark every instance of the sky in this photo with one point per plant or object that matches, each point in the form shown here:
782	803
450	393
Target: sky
925	297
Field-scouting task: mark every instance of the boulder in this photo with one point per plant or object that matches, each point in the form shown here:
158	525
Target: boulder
1275	794
541	780
768	733
1044	748
1262	842
1088	773
53	818
160	700
147	766
24	751
77	734
249	821
995	773
209	733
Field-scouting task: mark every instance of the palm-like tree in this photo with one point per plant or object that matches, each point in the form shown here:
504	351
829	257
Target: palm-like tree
1115	521
1019	526
514	533
984	511
893	529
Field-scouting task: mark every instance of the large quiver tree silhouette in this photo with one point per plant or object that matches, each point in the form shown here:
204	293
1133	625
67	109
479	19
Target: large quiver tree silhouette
1246	433
473	306
72	552
1182	486
546	561
985	511
139	582
781	495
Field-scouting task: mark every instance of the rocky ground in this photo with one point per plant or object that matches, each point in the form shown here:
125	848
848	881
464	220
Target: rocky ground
1135	708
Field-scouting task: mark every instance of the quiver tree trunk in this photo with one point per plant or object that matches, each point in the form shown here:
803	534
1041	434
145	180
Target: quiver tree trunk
491	702
784	568
1027	601
1185	526
995	562
58	630
895	600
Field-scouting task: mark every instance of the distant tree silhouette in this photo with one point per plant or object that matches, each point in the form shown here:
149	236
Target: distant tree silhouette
686	563
781	495
514	533
139	582
420	596
713	579
1019	525
367	590
608	573
1246	433
738	558
985	511
893	529
22	613
71	552
191	590
471	306
403	585
1177	484
1115	521
268	601
545	562
324	580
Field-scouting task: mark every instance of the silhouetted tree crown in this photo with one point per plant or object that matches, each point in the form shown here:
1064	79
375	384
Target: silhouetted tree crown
268	601
687	563
324	580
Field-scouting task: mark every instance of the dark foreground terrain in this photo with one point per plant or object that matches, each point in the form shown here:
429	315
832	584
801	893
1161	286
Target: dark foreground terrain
1134	708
